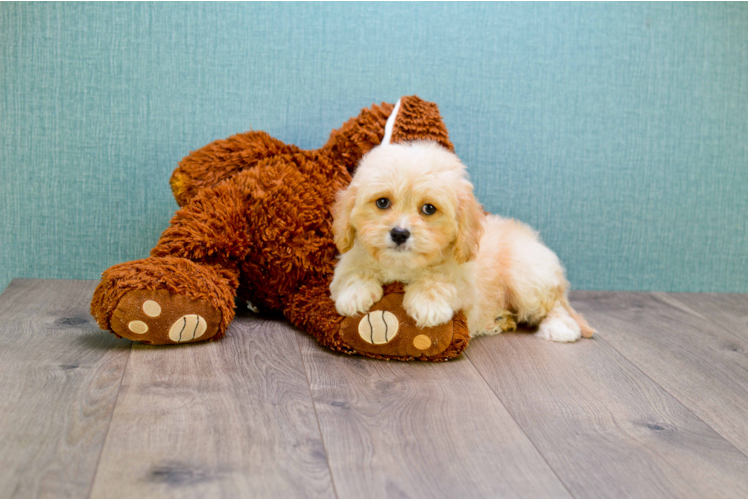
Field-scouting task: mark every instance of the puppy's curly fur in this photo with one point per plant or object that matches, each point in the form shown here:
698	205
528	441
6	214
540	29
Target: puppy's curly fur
410	215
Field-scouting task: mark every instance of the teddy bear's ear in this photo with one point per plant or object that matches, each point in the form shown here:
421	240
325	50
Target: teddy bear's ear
419	120
342	229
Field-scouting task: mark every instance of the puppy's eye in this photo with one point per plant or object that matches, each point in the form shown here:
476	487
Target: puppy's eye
383	203
428	209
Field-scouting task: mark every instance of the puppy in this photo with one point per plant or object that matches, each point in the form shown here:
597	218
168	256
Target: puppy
410	215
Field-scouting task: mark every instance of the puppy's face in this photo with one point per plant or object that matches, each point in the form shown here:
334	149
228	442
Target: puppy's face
409	205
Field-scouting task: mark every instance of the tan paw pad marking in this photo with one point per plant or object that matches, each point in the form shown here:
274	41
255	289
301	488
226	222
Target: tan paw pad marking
378	327
421	342
188	327
152	308
137	327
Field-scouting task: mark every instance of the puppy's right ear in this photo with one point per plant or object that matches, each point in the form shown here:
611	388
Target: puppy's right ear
341	225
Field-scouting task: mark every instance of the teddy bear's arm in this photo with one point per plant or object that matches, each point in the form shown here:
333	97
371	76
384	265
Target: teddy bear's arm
212	228
222	159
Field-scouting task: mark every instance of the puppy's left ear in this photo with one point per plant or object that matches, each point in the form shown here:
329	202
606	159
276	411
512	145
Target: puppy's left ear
470	218
342	229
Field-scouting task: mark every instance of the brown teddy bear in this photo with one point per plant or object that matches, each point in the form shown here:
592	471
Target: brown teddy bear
255	222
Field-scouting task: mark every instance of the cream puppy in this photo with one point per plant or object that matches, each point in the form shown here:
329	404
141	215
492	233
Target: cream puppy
410	215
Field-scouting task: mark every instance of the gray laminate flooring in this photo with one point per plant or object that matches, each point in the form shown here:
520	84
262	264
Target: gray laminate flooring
656	405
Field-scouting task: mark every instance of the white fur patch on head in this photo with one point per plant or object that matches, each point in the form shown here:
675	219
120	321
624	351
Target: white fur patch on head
391	124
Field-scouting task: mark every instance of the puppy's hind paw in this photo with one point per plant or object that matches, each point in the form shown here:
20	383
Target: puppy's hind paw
558	330
503	322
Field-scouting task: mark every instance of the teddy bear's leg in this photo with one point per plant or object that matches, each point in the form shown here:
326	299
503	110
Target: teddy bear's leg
185	291
222	159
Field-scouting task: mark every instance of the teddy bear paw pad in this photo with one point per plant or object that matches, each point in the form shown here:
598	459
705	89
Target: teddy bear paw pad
188	327
378	327
159	317
137	327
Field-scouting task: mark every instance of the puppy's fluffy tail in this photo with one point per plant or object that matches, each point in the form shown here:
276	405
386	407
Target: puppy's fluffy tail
584	327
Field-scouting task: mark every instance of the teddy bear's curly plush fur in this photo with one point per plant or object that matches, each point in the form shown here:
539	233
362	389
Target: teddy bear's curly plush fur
255	222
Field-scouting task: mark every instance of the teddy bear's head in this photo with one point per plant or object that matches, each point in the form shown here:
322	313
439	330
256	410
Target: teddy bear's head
416	119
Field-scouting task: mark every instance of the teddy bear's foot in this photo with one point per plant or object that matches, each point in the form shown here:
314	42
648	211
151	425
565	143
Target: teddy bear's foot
388	331
159	317
165	300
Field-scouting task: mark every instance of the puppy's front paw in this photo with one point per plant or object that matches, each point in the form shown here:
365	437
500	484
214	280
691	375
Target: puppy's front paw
358	298
427	311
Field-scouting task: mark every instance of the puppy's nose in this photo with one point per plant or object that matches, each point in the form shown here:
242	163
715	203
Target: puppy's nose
399	236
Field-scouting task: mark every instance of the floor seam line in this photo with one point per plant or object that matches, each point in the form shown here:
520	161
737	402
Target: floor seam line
722	328
111	417
519	426
316	416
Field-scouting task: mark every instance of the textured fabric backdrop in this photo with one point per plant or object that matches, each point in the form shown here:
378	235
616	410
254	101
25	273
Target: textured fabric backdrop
619	131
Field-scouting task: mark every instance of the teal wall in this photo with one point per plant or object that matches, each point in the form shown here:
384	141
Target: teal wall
620	131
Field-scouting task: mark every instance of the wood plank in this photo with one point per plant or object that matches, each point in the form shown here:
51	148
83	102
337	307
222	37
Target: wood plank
700	363
727	310
394	429
232	418
603	426
60	375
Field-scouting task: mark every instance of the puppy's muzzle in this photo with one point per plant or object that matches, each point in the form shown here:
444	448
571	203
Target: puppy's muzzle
399	236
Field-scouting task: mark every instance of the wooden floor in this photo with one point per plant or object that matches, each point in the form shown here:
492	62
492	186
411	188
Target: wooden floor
656	405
